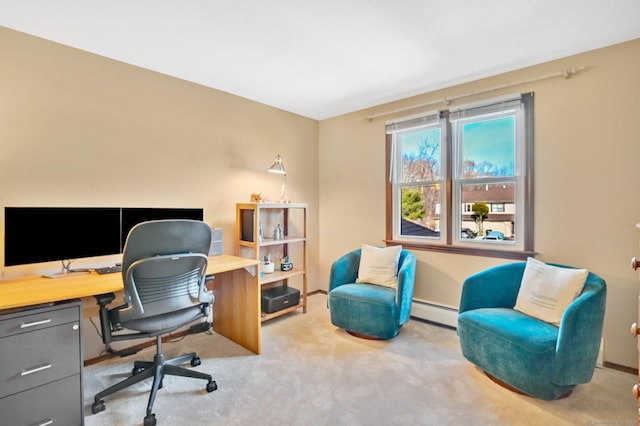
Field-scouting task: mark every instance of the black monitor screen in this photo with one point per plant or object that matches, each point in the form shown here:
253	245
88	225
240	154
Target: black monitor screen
43	234
133	216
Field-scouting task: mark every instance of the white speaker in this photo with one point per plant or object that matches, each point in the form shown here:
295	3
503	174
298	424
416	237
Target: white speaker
215	249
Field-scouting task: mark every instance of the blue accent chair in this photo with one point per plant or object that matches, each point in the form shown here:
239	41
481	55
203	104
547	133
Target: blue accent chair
368	310
528	355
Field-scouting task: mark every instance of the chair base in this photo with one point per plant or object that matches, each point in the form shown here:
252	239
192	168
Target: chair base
157	369
364	336
518	391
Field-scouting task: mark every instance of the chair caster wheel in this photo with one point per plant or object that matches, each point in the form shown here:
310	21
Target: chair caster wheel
98	407
211	386
150	420
195	361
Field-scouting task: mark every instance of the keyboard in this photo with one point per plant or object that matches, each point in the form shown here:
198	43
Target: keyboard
109	269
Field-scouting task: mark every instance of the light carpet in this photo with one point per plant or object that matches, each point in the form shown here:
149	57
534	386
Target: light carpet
311	373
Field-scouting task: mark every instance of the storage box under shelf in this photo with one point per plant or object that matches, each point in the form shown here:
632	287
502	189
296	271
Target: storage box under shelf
278	298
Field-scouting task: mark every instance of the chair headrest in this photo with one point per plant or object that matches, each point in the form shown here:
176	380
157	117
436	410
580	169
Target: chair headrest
163	237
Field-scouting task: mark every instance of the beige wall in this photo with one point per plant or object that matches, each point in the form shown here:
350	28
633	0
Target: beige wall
587	154
78	129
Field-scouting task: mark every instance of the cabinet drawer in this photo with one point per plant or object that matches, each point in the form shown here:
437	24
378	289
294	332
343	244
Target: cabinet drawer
57	403
37	319
32	359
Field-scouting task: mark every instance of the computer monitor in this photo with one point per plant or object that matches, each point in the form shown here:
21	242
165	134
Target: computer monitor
43	234
133	216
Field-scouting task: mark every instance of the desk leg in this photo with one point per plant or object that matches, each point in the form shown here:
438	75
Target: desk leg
236	310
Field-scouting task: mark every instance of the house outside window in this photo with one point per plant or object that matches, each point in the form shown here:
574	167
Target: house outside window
460	180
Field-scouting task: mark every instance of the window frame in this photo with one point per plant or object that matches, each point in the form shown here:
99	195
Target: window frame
434	122
449	243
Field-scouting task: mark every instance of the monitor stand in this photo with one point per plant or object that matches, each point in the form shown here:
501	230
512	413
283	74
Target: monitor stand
67	272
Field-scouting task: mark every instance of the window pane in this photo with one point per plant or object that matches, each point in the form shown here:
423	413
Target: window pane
420	154
488	148
481	219
420	211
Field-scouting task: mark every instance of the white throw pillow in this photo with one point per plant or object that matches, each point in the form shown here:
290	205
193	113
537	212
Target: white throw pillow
546	290
379	265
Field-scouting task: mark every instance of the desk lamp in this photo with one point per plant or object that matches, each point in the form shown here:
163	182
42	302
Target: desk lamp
278	168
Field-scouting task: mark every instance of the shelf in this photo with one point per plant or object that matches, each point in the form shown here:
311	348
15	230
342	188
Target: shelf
278	205
280	275
271	242
285	240
266	317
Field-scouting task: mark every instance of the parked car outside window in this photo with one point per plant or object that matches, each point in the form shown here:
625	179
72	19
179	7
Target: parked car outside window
494	235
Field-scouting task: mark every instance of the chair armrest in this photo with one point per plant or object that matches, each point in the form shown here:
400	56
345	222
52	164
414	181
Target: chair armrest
345	269
495	287
206	295
406	283
579	334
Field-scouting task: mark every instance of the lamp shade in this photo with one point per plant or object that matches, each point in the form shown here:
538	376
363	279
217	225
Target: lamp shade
277	166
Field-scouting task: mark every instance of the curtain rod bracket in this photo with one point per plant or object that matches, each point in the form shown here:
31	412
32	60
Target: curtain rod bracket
571	72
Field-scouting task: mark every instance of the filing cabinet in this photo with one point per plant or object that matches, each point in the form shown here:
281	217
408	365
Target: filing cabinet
41	365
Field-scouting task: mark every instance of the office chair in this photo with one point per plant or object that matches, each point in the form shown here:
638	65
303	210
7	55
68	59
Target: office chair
164	271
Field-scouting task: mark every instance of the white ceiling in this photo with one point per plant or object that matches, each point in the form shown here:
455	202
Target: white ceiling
323	58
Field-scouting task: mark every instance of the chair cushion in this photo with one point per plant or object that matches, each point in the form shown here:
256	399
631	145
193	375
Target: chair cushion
161	324
379	265
366	309
511	327
547	290
514	347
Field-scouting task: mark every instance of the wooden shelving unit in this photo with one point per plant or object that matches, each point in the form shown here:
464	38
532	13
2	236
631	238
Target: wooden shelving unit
255	223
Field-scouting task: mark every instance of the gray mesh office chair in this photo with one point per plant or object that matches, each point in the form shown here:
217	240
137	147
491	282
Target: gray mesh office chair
164	271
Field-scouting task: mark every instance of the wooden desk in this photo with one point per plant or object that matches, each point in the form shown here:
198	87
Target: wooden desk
236	310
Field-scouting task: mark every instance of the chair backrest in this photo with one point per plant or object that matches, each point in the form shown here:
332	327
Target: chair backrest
164	267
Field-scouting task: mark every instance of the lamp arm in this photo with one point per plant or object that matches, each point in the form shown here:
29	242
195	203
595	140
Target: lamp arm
284	182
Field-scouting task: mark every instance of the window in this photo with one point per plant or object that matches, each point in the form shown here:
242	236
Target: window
460	180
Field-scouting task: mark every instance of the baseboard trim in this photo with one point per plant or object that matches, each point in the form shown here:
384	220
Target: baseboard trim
436	313
619	367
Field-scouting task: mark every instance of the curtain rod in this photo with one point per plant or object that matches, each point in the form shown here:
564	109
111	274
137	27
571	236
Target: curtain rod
568	73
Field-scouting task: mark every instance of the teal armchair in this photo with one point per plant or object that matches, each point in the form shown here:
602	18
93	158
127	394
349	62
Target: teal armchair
368	310
531	356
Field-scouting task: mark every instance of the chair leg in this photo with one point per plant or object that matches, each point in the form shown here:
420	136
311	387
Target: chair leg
174	370
182	359
157	383
132	380
138	366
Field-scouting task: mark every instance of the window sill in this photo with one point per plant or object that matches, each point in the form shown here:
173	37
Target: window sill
484	252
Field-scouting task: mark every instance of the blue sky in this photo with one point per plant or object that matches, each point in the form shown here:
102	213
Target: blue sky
491	141
411	141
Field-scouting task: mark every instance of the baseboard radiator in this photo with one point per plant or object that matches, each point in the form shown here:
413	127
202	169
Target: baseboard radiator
434	312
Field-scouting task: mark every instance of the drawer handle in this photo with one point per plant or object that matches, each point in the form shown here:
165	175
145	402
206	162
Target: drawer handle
45	423
34	370
33	324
